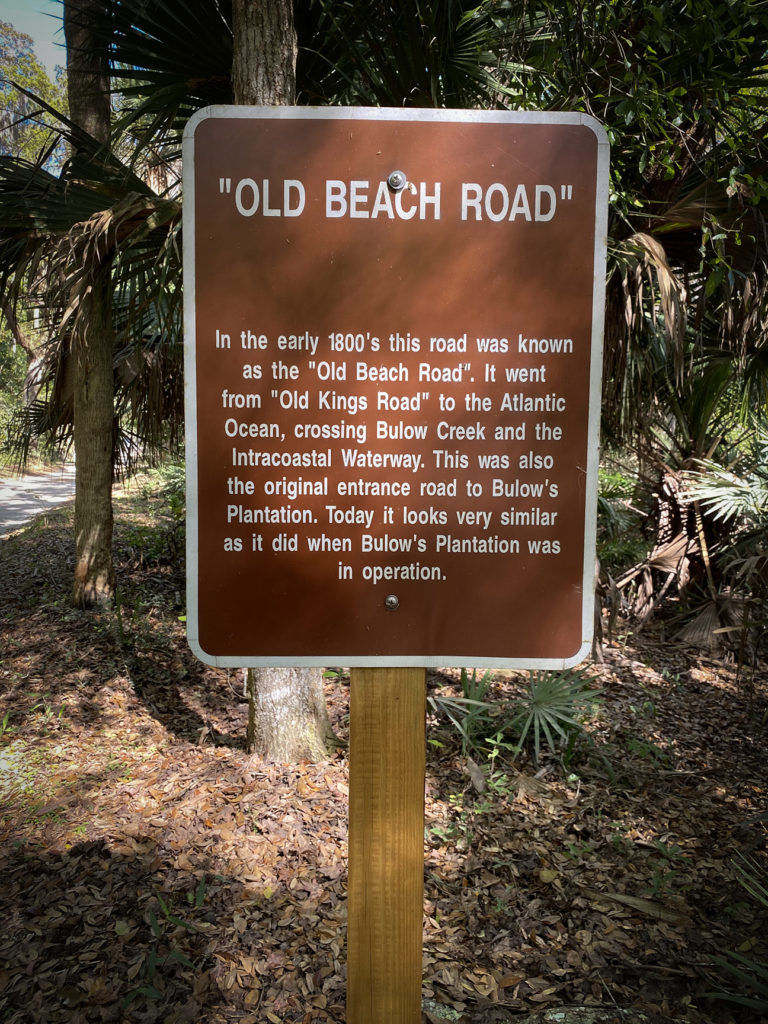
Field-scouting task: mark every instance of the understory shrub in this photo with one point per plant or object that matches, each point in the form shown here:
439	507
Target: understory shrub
550	709
751	973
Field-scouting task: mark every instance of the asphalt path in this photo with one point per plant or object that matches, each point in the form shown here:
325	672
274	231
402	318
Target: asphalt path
24	497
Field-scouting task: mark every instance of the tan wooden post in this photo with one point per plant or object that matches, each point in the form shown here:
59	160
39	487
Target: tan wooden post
386	845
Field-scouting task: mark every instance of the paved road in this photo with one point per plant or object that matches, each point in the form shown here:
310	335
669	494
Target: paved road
24	497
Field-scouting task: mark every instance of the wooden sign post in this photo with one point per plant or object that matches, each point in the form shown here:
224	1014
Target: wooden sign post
386	845
393	328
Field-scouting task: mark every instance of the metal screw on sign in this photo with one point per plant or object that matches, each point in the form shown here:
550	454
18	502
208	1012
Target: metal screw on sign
391	602
397	181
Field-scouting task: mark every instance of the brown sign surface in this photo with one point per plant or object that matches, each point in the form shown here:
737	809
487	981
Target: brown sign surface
392	384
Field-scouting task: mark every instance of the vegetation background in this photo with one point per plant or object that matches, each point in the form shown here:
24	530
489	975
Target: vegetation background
90	205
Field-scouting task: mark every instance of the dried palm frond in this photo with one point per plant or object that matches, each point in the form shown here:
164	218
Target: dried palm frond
121	241
713	622
652	294
672	557
653	262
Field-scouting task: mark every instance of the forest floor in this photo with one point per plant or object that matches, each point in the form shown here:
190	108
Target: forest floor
152	871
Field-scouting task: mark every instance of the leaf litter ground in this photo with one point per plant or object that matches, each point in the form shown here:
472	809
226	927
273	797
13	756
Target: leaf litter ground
153	871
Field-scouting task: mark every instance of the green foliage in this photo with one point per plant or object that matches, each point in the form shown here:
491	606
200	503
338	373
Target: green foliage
157	533
475	721
5	726
163	952
549	710
473	717
474	688
459	828
13	365
615	496
166	67
165	484
552	708
750	973
649	71
681	91
25	128
732	493
451	53
680	88
478	722
465	815
736	491
172	478
61	232
620	541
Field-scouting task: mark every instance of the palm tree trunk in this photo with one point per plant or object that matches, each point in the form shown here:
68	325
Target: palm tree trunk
92	341
265	48
94	581
287	719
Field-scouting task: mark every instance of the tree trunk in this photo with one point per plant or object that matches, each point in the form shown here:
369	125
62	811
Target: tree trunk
92	342
264	58
287	719
94	582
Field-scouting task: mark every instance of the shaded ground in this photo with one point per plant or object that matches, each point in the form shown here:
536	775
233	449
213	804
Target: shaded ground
152	871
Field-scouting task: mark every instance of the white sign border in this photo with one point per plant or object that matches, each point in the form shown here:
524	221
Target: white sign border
595	378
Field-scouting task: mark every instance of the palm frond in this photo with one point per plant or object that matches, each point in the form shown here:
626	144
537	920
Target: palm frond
445	53
728	494
167	61
59	236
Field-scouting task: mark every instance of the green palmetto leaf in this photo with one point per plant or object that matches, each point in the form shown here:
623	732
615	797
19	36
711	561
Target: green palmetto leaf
549	712
551	707
472	719
753	879
752	974
727	494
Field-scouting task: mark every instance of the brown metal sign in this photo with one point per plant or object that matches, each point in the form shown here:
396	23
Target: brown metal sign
394	329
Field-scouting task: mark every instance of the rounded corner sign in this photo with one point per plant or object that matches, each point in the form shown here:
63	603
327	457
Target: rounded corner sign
393	348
